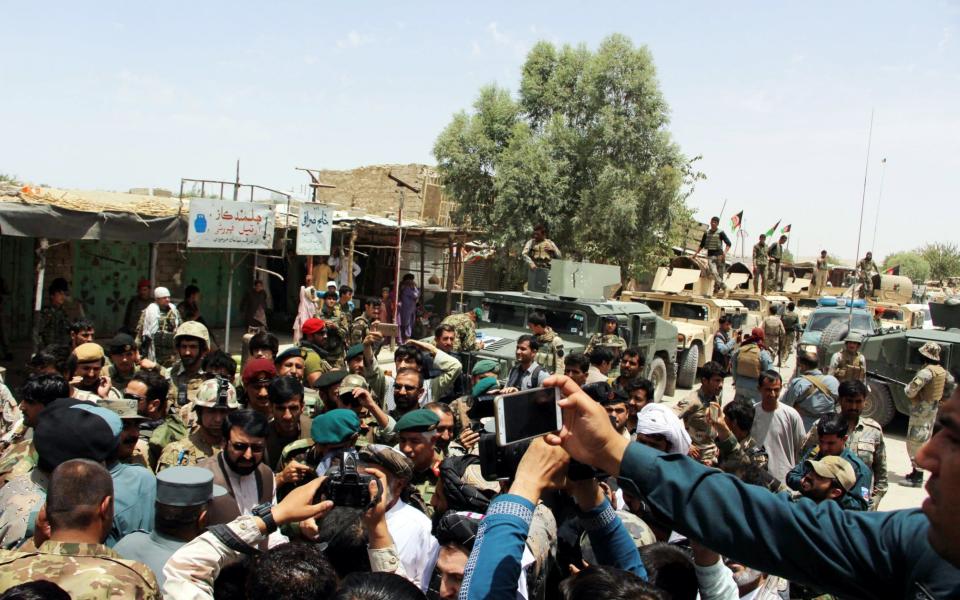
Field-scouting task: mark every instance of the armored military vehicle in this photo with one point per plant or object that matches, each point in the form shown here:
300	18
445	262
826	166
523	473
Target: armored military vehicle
893	359
831	321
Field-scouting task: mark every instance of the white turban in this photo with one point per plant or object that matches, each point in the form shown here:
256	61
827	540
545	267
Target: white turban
161	292
657	419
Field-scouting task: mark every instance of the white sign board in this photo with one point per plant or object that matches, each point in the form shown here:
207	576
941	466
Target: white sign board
315	230
225	224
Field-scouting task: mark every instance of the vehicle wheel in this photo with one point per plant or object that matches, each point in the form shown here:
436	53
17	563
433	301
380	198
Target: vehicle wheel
879	405
658	375
833	333
687	371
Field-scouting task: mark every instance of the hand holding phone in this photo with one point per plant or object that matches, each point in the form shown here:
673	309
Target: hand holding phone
528	414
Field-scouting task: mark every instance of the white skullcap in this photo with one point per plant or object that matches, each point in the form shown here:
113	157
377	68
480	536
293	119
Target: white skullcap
161	292
333	283
657	419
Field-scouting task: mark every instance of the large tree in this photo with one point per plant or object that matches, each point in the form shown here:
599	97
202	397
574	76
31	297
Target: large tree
944	259
583	148
911	264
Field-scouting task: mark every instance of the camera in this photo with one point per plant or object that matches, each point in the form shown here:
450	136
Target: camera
347	486
499	462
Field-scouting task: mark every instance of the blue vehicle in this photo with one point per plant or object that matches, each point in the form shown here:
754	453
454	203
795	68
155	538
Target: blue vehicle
828	324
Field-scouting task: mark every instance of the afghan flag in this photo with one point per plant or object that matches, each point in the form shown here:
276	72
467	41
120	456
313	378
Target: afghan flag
785	229
736	220
892	270
773	230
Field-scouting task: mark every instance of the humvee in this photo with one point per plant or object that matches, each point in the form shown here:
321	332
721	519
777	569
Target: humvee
893	359
697	318
758	306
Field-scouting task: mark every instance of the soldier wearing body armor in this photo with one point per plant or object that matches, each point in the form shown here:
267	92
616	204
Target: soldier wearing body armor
774	334
760	265
821	274
811	393
608	338
331	313
215	398
361	325
550	354
774	258
791	324
192	341
157	327
929	387
746	364
849	364
866	268
314	341
717	244
537	253
124	360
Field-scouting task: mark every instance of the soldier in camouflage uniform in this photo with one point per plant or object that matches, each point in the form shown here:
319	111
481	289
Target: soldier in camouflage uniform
215	398
331	313
465	327
717	244
84	570
866	268
609	338
417	431
20	456
157	327
693	410
849	364
550	354
53	324
865	437
330	434
124	360
930	386
361	325
537	253
774	334
10	417
738	450
791	324
760	265
774	258
192	341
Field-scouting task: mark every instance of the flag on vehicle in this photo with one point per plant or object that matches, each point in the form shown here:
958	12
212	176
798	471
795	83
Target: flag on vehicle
773	229
892	270
786	229
736	220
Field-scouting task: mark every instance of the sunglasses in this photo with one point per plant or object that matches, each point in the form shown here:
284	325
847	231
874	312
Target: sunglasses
242	447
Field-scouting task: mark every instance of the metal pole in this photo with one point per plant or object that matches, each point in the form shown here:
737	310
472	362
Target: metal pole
396	284
876	221
41	272
450	274
226	333
863	202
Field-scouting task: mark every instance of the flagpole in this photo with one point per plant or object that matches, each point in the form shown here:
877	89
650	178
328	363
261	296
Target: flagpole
863	202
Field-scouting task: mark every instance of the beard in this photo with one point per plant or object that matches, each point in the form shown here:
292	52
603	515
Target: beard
746	577
241	469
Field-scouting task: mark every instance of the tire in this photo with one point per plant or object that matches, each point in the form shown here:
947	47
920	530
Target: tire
687	367
833	333
658	375
879	405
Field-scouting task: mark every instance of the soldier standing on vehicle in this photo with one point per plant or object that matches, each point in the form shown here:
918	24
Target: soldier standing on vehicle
774	334
930	386
821	274
775	256
716	244
865	270
608	338
537	253
550	355
791	324
760	265
849	364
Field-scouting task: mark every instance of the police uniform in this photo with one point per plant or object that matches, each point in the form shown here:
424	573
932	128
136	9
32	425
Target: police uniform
930	386
465	339
866	441
126	409
713	241
214	394
550	354
760	267
746	364
813	395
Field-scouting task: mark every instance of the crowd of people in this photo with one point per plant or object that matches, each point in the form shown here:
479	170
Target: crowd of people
157	466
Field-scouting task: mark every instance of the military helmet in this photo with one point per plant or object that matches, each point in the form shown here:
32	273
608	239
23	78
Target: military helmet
192	329
217	393
931	350
854	336
351	382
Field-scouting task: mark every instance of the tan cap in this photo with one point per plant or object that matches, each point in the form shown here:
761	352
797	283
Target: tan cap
931	350
352	382
125	408
88	352
193	329
217	393
836	468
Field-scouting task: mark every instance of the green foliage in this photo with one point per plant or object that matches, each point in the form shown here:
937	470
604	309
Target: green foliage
943	258
912	264
10	179
584	149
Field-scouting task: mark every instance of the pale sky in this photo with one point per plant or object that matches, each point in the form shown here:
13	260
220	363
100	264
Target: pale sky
777	99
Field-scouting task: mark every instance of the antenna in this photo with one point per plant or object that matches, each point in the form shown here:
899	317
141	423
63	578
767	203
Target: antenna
863	202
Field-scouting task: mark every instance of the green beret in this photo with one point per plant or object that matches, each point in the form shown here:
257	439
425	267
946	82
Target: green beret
354	351
485	366
484	385
335	426
418	421
329	378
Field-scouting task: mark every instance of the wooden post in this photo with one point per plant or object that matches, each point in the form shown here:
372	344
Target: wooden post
353	240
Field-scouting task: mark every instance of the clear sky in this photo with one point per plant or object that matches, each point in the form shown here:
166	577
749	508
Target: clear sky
775	97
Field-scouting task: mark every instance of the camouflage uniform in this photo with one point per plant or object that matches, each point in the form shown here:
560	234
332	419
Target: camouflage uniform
926	390
865	268
341	320
538	255
425	483
85	571
10	417
162	346
183	392
187	452
760	267
466	332
848	367
692	410
550	355
359	329
20	501
773	334
791	323
20	458
713	242
747	452
774	256
866	441
52	327
170	429
605	339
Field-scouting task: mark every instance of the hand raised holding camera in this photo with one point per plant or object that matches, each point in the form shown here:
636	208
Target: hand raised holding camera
542	467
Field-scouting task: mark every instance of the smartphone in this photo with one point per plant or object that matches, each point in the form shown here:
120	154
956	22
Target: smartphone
528	414
388	330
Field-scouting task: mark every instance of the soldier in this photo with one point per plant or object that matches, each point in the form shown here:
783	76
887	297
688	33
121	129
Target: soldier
866	268
774	258
291	362
78	509
376	426
550	354
760	265
314	337
85	366
608	337
132	450
124	360
160	426
361	325
191	342
930	386
53	325
693	411
811	393
465	328
746	364
717	244
37	393
215	398
290	422
821	274
537	253
791	324
774	334
849	364
183	494
878	317
332	433
257	376
417	432
865	438
331	313
724	343
158	325
736	446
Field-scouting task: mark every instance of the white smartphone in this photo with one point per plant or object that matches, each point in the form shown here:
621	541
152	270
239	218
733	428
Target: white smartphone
528	414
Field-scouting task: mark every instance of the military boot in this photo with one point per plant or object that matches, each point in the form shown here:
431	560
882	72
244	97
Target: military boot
913	479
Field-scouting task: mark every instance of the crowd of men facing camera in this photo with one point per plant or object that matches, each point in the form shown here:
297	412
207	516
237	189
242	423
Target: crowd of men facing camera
157	467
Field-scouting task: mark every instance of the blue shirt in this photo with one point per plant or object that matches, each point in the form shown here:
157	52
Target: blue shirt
858	498
811	403
152	549
847	553
134	493
749	386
